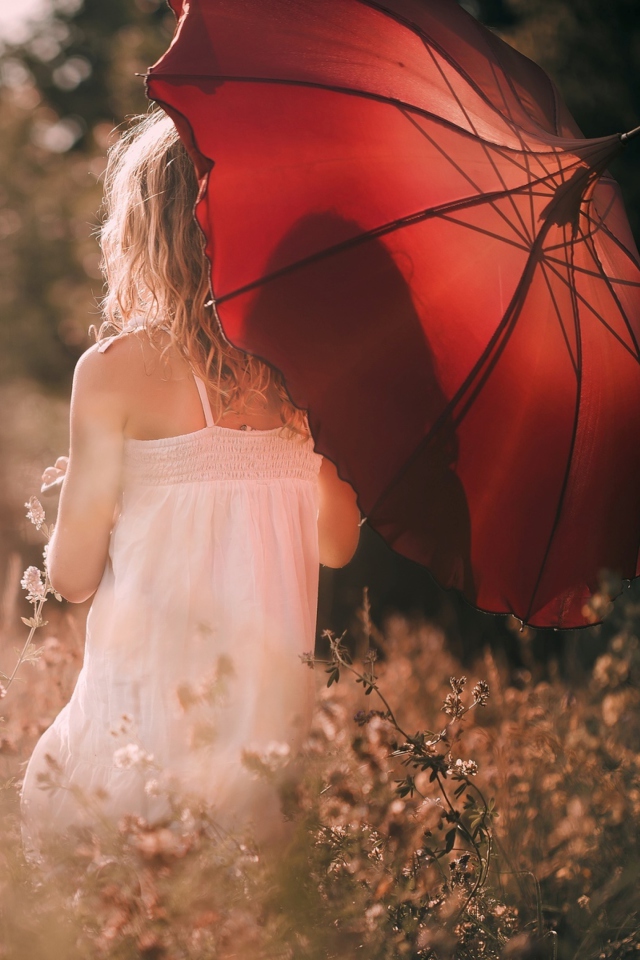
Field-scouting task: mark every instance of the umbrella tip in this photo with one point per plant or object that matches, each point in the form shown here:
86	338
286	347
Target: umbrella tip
630	135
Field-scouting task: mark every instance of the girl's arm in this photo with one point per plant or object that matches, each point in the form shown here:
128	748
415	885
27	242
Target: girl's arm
338	519
79	546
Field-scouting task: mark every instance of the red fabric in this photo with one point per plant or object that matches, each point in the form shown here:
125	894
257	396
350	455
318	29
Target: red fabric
403	217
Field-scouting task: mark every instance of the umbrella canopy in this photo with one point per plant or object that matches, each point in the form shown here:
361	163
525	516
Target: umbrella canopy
402	216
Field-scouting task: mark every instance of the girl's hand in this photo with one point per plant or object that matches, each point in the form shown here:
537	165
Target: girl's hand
53	477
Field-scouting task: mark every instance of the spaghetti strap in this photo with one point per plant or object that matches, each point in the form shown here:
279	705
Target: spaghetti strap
105	344
204	400
202	390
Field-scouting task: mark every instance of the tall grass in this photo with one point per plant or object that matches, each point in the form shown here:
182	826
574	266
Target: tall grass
379	864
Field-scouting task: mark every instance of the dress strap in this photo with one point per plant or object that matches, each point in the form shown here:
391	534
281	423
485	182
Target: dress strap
202	390
204	400
105	344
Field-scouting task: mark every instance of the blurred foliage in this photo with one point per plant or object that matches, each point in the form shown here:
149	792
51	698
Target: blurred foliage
61	95
373	866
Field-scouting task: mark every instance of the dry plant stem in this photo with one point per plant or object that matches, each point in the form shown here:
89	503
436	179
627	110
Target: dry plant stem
370	684
38	588
38	622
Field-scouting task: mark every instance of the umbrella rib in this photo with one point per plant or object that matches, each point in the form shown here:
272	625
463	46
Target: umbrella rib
595	313
561	246
574	433
525	154
591	273
618	243
486	233
509	158
602	217
463	110
532	210
509	80
391	227
603	275
559	317
597	225
529	153
487	153
427	39
488	359
523	148
465	176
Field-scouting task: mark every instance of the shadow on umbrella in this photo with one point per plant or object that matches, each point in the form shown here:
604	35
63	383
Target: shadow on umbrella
351	324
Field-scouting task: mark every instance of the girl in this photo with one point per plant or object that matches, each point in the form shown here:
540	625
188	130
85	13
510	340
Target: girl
196	510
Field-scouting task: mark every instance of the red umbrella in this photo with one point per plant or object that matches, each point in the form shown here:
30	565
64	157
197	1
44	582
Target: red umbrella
402	216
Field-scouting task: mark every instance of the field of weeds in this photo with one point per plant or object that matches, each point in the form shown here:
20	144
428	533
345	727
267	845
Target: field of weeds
433	815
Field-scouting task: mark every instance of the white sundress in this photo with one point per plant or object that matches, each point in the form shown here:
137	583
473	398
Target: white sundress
194	636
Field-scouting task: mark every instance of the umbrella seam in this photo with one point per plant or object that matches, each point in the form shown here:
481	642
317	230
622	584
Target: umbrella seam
150	77
427	39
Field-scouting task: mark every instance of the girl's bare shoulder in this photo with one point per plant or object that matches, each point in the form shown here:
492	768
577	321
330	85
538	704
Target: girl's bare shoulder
127	363
143	385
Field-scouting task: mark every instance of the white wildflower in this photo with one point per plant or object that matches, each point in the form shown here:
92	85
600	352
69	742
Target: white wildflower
3	692
125	758
35	512
152	788
269	759
481	693
33	582
466	768
276	754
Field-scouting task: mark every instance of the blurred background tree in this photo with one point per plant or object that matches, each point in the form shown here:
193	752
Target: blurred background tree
62	93
76	76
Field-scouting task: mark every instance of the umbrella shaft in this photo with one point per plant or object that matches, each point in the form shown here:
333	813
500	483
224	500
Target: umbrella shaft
630	135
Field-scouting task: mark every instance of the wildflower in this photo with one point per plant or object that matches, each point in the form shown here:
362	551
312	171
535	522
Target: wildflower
35	512
131	756
480	693
276	754
269	760
457	685
461	870
308	658
161	842
3	692
33	583
452	706
465	768
152	788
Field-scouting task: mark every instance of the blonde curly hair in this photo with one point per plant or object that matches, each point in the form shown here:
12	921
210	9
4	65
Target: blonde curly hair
157	275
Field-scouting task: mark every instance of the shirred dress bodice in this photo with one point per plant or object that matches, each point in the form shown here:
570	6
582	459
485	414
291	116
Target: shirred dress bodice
217	454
